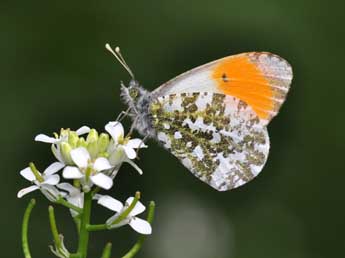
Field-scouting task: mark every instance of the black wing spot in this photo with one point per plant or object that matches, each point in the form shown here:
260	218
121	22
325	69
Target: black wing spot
225	77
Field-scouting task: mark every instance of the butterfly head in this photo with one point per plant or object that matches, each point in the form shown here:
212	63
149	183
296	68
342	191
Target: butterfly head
133	90
132	94
135	97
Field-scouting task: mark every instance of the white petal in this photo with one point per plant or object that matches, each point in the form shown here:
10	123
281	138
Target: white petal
83	130
130	153
52	180
141	226
46	138
114	172
115	129
101	164
57	153
70	172
68	188
136	143
117	157
80	157
51	192
110	203
77	200
135	166
102	181
53	168
27	190
28	174
138	208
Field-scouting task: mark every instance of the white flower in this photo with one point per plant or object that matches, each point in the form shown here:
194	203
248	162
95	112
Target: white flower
139	225
74	196
122	149
45	182
88	171
62	137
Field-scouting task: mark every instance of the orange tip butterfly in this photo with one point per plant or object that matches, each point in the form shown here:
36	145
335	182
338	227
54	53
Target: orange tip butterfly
214	118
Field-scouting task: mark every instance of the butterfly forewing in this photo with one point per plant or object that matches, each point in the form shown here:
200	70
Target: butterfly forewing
218	137
260	79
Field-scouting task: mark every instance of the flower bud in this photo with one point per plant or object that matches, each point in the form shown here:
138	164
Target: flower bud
103	142
92	145
92	136
92	148
64	132
65	152
73	139
81	142
103	154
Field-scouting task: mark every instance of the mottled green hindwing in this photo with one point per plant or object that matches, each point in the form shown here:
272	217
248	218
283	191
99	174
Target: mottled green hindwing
219	138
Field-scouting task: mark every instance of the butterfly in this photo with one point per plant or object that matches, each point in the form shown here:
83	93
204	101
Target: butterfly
214	118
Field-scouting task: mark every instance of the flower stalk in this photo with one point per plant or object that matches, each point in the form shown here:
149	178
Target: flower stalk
25	226
60	249
53	228
85	220
128	210
68	205
37	174
107	251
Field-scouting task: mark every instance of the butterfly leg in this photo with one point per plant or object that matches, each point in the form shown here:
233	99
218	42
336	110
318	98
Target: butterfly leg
122	115
132	127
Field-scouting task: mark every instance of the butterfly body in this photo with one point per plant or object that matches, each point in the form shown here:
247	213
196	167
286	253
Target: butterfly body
138	100
213	118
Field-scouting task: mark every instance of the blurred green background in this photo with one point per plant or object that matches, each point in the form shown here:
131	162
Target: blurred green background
55	72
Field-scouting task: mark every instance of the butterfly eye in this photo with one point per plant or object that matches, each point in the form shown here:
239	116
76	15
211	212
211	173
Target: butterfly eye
133	93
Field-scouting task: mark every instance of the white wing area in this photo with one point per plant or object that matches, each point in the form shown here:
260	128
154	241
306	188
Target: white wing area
196	80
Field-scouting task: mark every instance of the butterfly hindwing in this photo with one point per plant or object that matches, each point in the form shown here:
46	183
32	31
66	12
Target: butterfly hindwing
219	138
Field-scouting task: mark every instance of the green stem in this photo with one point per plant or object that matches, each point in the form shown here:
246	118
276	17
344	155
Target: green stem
107	251
128	210
36	172
97	227
77	222
85	220
69	205
53	228
135	249
25	225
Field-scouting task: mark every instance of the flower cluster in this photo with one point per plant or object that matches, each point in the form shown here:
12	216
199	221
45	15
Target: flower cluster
88	161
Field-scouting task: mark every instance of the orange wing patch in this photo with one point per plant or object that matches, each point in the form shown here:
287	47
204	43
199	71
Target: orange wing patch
261	80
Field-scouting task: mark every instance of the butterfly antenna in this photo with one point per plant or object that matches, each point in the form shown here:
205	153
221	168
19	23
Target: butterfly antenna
119	57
